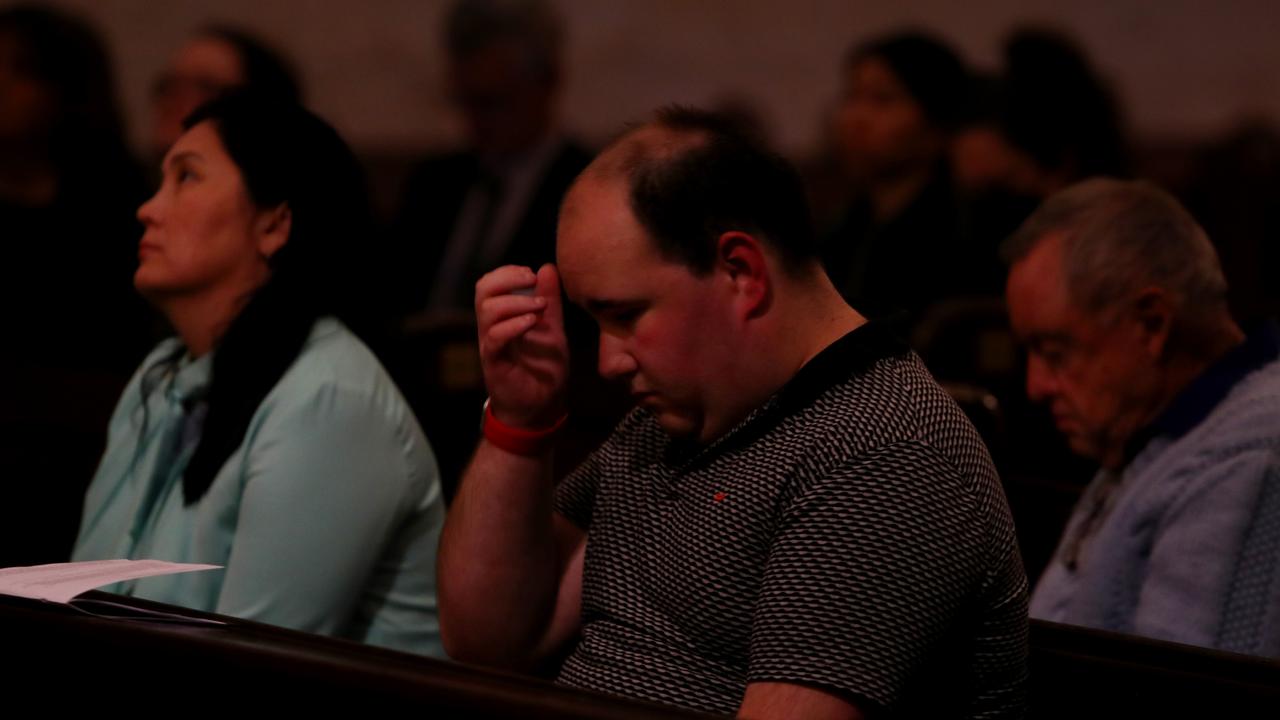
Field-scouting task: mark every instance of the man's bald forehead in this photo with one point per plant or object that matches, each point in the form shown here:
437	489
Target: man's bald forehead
650	142
633	149
689	176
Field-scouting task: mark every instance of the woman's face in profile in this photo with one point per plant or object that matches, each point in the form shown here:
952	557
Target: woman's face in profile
203	233
880	127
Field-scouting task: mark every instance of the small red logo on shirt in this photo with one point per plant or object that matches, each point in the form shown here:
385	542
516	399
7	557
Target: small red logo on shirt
720	496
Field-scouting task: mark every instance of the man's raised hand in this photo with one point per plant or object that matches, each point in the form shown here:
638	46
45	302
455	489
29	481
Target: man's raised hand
523	350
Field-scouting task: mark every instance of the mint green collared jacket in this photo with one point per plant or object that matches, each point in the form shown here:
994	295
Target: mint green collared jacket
326	517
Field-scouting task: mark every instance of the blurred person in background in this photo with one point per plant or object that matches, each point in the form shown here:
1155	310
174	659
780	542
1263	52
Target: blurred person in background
898	248
494	202
216	59
1045	121
73	326
491	203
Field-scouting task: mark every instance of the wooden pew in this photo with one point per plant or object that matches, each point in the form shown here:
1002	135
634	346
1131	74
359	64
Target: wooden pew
68	660
1083	673
71	660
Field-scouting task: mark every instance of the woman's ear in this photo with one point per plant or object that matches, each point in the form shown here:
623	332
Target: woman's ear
273	228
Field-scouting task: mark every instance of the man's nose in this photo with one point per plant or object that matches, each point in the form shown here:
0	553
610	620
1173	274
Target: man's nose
1041	381
614	361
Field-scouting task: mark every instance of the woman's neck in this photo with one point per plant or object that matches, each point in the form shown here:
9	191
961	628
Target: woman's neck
201	321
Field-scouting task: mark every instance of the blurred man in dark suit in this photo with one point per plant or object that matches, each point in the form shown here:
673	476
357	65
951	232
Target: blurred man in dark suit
494	203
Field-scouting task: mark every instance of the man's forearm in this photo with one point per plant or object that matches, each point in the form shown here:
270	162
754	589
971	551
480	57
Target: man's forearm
499	570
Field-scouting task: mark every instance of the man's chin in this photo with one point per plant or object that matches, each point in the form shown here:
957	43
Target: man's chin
1078	445
679	427
1083	446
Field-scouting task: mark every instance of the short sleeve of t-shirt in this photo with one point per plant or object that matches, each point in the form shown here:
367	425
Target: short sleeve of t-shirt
576	494
866	574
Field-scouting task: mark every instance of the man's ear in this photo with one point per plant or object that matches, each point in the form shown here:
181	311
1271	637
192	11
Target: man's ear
1153	317
745	266
273	228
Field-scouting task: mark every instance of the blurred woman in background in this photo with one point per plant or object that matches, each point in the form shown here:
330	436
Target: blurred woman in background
73	326
898	247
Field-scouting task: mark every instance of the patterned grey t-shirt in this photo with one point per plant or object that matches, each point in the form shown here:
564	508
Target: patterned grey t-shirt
851	535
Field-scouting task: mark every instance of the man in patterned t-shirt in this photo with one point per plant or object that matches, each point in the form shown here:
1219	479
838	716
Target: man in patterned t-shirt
795	521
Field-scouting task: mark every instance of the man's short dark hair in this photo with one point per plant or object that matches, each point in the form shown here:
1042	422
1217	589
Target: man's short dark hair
713	178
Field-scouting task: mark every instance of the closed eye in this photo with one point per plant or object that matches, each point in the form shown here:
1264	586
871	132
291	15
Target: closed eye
616	315
1050	353
619	320
625	316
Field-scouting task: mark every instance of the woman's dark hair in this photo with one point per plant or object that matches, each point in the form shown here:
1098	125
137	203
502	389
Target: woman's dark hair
266	72
1058	109
286	155
930	70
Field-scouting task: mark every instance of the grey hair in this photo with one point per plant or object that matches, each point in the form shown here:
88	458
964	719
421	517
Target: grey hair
473	25
1120	236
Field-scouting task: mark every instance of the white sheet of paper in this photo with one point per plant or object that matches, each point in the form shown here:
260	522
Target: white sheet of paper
60	582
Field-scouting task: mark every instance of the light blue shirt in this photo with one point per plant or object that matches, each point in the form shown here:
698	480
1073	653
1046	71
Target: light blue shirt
1183	543
326	518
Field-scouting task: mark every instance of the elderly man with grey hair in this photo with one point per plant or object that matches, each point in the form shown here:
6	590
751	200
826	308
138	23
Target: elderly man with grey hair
1120	301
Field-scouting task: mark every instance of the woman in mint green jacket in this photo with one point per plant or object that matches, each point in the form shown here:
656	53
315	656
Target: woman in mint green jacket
266	437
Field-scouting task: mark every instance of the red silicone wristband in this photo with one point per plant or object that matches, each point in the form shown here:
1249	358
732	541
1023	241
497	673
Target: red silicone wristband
529	443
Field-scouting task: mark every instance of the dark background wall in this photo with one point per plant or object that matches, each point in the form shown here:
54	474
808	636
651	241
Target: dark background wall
1186	69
